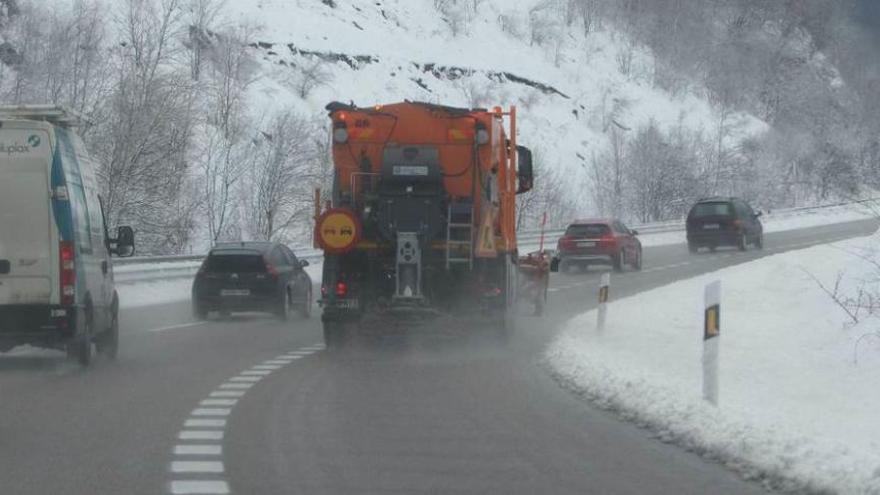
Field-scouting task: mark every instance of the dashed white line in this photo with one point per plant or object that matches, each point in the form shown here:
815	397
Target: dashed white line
201	435
205	423
211	411
251	379
228	393
218	402
201	487
277	361
270	367
256	372
198	449
196	467
236	385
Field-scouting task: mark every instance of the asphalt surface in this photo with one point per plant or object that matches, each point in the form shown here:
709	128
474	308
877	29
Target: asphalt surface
444	411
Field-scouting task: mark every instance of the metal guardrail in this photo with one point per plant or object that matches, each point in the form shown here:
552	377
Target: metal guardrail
150	268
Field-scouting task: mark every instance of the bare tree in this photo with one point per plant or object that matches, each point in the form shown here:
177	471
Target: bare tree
312	75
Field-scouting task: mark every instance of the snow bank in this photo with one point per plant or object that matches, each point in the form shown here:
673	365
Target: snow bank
796	408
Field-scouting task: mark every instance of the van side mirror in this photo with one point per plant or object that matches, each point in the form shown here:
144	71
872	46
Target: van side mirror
759	213
525	173
123	245
303	263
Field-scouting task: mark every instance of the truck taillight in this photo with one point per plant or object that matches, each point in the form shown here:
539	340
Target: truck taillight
67	276
341	289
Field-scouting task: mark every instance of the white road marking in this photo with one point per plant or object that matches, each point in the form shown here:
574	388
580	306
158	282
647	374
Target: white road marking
237	385
201	435
251	379
256	372
315	347
218	402
299	353
277	361
228	393
272	367
198	449
211	411
205	423
177	327
204	487
196	467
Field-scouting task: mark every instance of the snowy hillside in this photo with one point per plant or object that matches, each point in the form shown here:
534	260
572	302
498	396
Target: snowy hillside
570	89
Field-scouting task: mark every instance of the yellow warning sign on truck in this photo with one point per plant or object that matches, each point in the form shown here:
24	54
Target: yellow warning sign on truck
337	230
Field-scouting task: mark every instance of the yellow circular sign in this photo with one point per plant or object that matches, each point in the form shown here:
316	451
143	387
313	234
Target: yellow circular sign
338	230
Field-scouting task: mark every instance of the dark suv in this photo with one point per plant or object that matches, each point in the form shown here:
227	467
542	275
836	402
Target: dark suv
252	276
723	221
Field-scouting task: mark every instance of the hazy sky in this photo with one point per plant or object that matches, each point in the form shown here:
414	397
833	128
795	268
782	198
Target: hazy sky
869	14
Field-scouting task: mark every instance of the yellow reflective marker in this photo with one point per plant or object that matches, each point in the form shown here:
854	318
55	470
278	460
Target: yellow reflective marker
712	323
603	294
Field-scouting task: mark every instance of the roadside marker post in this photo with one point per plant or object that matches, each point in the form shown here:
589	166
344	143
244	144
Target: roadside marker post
604	288
711	339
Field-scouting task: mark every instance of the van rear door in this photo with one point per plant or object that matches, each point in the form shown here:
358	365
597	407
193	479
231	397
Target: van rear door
26	261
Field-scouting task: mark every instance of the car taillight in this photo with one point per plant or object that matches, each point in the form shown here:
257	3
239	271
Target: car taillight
607	239
271	270
341	289
68	272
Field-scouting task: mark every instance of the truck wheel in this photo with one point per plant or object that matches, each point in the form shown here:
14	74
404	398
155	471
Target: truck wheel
108	342
80	348
334	335
617	262
306	309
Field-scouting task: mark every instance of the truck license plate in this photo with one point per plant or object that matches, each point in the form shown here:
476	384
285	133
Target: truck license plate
235	292
347	303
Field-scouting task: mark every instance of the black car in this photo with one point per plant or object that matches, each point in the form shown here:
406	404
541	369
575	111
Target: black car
252	276
723	221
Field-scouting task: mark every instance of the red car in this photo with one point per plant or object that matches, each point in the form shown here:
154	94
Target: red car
599	242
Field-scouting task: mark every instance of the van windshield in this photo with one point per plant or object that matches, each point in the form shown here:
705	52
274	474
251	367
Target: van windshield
712	210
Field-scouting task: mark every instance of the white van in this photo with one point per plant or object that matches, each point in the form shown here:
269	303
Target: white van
56	276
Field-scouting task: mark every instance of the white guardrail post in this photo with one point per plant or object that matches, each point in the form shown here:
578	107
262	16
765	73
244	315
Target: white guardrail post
604	289
711	340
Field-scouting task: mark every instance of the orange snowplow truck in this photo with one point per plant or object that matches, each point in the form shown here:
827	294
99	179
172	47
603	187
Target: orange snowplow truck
422	218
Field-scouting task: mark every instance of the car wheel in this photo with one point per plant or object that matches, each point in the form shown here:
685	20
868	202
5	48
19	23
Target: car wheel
637	263
306	310
617	261
199	312
108	342
283	311
743	242
693	248
80	348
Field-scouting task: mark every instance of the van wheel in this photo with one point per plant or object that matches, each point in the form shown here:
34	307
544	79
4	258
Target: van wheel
306	310
108	342
743	242
80	348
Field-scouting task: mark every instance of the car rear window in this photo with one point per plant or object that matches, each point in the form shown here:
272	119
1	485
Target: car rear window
587	230
235	263
712	210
